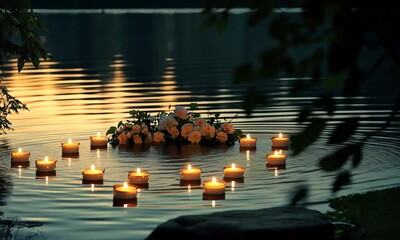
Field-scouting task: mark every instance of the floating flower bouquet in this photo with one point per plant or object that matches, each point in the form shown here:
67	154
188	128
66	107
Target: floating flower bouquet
180	126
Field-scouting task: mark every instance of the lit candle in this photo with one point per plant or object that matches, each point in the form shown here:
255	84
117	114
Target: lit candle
20	156
45	165
125	191
138	177
98	140
233	171
70	147
92	174
280	141
214	187
278	158
248	142
190	173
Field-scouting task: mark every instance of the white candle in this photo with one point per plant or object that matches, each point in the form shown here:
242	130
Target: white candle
92	174
70	147
280	141
20	156
138	177
233	171
45	165
98	140
125	191
214	187
248	142
278	158
190	174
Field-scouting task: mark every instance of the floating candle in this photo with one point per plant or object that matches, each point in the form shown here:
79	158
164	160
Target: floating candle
278	158
45	165
214	187
125	191
98	140
138	177
280	141
20	156
70	147
190	173
93	174
248	142
233	171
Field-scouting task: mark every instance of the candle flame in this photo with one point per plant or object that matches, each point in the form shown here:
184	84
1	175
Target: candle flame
214	180
280	135
248	136
138	171
276	153
46	159
19	150
69	140
233	166
92	167
189	167
98	134
125	185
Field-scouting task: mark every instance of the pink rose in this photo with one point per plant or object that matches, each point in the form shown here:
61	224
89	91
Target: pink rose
194	137
180	112
174	132
122	138
158	137
228	127
222	136
208	131
137	139
186	129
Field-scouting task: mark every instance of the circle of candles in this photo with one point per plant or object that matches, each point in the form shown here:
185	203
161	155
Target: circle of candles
233	171
280	141
190	173
214	187
20	156
92	174
125	191
278	158
46	165
98	140
70	147
248	142
138	177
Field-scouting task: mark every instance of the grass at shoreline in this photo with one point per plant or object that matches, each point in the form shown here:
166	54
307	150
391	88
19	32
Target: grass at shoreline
375	215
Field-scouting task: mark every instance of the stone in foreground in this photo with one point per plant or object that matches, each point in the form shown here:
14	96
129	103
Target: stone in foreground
270	223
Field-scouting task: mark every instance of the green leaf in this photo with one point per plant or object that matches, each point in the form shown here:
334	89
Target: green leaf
343	131
111	130
120	124
243	73
299	195
342	179
35	61
21	63
193	106
337	159
309	135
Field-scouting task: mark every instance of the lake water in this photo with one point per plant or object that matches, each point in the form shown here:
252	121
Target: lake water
105	64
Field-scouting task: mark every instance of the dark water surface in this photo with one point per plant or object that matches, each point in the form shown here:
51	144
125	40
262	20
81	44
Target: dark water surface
107	64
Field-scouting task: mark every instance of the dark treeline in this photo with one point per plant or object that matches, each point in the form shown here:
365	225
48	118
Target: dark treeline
88	4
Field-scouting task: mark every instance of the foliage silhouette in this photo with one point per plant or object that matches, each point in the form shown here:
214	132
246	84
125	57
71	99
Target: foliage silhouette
339	34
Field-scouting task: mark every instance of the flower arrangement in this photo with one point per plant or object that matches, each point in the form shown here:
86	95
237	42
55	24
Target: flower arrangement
180	126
